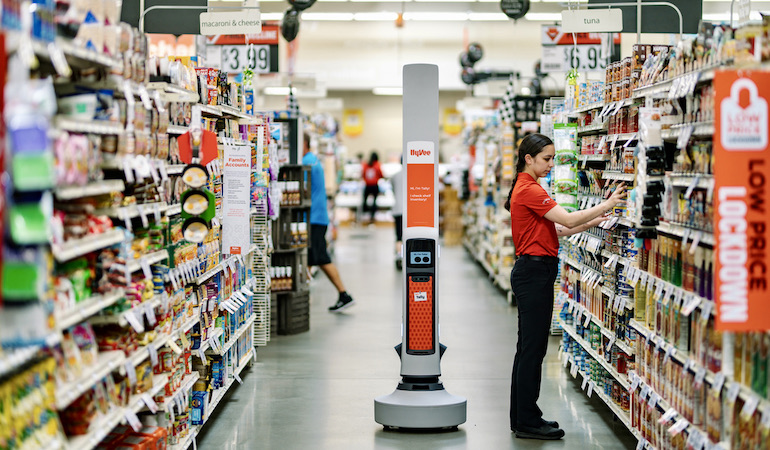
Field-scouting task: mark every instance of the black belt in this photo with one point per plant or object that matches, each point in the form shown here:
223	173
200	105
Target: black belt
548	259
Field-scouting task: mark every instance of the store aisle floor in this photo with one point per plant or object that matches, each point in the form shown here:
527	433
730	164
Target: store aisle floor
316	390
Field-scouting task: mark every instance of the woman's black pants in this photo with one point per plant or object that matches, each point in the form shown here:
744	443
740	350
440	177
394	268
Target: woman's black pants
532	284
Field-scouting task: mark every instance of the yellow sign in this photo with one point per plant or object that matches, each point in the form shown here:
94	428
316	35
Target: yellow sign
353	122
453	122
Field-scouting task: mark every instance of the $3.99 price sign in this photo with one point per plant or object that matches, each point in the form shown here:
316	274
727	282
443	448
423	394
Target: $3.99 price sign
258	58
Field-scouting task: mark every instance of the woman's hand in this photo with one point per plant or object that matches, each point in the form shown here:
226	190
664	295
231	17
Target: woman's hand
617	196
596	222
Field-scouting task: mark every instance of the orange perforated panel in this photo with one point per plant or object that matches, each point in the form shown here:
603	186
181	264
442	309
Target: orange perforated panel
420	315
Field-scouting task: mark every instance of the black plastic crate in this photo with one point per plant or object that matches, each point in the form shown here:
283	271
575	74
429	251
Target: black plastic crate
293	313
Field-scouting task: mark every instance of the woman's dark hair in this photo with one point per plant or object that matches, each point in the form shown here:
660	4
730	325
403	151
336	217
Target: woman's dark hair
373	158
531	145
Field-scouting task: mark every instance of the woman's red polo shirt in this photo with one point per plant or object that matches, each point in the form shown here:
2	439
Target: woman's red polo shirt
533	234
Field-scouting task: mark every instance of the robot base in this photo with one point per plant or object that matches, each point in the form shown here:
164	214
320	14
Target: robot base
420	409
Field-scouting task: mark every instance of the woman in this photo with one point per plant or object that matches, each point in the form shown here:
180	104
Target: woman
536	222
371	175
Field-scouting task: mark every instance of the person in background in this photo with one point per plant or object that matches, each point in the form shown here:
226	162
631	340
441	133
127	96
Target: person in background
397	181
371	174
317	254
536	223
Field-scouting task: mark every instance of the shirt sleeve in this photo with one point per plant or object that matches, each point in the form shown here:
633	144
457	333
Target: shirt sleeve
536	199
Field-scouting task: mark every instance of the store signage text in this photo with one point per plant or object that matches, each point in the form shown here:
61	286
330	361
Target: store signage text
420	184
592	20
232	22
742	176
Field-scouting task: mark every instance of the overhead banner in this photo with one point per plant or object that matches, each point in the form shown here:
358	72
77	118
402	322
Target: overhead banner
741	194
420	174
236	201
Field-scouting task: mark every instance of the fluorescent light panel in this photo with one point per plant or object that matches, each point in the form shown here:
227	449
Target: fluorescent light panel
543	17
271	16
387	91
276	90
436	16
487	17
329	16
375	16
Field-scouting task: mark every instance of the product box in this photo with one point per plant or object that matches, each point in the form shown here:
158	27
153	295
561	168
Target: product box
198	406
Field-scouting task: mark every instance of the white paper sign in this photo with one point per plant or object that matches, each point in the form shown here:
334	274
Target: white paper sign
236	202
246	21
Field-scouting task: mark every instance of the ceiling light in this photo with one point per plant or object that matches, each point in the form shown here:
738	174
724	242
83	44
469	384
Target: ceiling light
375	16
436	16
387	91
381	1
486	17
543	17
336	17
271	16
442	1
725	17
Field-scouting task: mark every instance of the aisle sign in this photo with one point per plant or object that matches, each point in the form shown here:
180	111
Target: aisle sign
561	51
236	201
237	58
741	195
592	20
237	52
420	174
230	22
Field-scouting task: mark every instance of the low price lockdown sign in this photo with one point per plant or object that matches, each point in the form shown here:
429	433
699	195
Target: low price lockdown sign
741	192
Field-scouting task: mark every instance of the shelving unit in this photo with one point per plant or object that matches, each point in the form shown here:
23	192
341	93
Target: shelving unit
78	247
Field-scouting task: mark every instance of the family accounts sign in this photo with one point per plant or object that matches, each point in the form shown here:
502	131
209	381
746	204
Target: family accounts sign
246	21
741	194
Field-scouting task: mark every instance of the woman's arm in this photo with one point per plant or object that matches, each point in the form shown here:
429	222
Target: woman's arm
561	230
559	215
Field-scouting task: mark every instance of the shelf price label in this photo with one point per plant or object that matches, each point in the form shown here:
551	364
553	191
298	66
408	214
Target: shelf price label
562	58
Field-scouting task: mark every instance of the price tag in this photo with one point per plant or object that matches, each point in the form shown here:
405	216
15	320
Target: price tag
590	389
653	401
678	297
695	241
170	411
574	370
587	320
634	383
123	214
153	172
700	375
172	277
202	356
732	391
684	137
765	421
237	378
159	103
610	344
749	407
692	303
670	414
246	291
614	141
212	304
719	381
149	311
145	268
145	96
175	348
678	427
134	321
645	392
565	360
143	216
185	341
133	420
153	354
706	308
130	372
669	352
642	444
658	343
151	405
156	212
162	169
585	383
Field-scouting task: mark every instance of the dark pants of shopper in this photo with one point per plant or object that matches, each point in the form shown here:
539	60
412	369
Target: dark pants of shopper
532	284
372	191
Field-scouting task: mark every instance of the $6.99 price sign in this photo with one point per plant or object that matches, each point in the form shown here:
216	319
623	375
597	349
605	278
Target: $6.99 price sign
237	58
561	58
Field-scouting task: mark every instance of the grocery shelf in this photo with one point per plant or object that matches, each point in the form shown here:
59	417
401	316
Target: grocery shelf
700	129
622	379
601	157
173	210
173	93
241	330
588	107
76	56
136	402
234	112
14	359
106	363
233	141
622	416
596	128
132	211
622	137
89	190
679	230
99	430
218	268
175	169
620	176
78	247
151	258
704	180
91	127
87	308
187	383
211	110
177	129
120	318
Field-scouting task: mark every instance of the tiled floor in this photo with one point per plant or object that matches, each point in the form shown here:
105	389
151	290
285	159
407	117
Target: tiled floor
316	390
